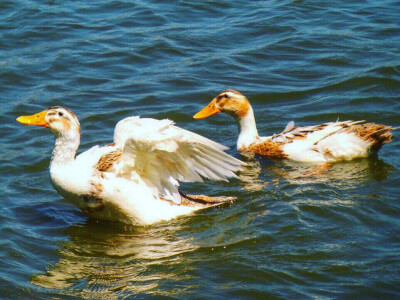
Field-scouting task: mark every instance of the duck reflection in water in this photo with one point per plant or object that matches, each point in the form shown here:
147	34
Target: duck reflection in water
102	260
260	173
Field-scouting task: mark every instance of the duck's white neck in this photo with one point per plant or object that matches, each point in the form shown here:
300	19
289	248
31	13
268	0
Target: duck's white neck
65	149
248	133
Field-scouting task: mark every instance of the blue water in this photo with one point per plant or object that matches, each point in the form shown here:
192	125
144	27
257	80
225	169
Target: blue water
290	234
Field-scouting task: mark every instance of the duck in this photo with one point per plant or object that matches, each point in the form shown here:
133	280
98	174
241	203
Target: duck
325	143
136	178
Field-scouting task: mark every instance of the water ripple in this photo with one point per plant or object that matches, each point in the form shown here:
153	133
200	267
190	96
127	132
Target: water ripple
292	233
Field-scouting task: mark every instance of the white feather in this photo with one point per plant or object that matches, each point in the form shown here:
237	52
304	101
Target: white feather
289	126
162	153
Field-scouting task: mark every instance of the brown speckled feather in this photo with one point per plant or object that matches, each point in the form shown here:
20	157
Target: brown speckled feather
375	133
106	162
267	148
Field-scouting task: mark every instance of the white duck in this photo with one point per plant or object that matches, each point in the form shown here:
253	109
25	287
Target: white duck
325	143
135	179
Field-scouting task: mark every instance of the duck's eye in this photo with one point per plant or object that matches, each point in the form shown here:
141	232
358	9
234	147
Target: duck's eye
226	96
60	114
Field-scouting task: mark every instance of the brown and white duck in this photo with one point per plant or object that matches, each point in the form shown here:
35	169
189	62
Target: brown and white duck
325	143
135	179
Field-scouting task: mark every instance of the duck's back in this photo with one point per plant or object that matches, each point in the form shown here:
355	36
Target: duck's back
329	142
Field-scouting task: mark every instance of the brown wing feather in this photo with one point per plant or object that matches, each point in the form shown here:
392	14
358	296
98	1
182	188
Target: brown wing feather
106	162
375	133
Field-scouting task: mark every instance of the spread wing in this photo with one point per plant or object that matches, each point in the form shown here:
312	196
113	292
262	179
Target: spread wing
163	154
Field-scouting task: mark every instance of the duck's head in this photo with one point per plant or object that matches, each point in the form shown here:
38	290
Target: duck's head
230	102
59	119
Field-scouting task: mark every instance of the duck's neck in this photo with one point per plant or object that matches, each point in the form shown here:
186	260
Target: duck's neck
65	149
248	133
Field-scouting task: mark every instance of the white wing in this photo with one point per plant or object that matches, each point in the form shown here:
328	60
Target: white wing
161	154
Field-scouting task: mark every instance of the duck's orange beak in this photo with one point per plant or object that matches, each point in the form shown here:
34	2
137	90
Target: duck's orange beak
36	119
210	109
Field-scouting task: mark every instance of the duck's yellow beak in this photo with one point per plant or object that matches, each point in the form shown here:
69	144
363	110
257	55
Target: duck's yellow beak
36	119
210	109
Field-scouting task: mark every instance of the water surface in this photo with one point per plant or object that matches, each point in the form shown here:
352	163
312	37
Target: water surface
291	233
